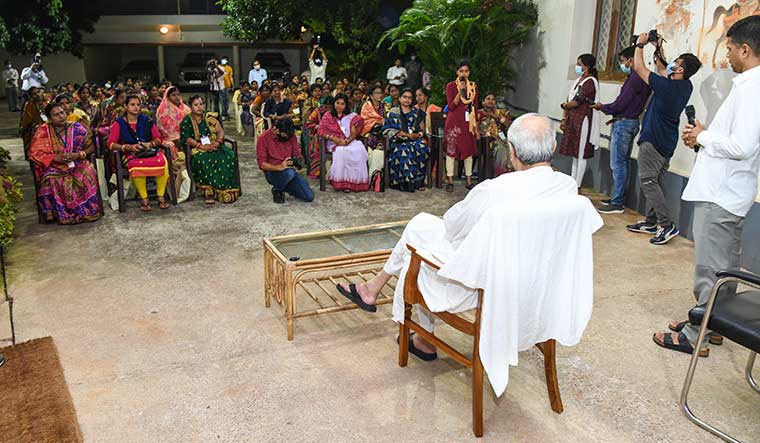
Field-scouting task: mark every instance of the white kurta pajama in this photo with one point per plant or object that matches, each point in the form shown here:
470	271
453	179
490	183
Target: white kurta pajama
440	240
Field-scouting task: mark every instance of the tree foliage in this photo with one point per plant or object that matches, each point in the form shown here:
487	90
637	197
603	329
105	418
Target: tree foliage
443	32
350	30
47	26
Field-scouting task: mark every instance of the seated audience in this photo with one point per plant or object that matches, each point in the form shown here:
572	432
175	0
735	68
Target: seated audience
278	106
245	101
312	127
73	114
32	116
357	100
85	104
213	163
532	144
68	182
307	107
373	113
391	101
494	123
169	115
138	139
341	129
423	104
408	152
278	155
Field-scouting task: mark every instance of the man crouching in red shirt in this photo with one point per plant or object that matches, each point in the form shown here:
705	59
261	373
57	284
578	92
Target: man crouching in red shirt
278	156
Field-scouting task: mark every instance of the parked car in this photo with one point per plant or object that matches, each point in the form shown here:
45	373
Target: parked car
193	71
144	70
274	63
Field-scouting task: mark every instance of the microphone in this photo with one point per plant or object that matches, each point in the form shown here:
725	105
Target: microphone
691	117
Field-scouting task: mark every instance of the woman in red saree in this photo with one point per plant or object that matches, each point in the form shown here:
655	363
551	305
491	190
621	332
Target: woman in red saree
68	183
341	129
461	128
312	125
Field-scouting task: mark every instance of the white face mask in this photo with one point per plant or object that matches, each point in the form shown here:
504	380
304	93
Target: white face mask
257	67
224	61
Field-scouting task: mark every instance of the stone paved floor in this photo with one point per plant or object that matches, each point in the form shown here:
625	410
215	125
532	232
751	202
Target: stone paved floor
163	335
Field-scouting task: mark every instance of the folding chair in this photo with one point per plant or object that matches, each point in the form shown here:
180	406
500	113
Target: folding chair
735	316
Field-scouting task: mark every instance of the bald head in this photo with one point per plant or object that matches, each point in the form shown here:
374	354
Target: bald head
533	138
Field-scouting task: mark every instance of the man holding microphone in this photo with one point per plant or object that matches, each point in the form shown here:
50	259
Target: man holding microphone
723	183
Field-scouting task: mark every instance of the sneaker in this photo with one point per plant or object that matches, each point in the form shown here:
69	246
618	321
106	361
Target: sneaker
664	234
606	201
611	209
643	227
278	197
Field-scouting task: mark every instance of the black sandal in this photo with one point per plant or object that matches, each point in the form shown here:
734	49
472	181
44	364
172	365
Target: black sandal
422	355
354	296
449	187
682	346
714	339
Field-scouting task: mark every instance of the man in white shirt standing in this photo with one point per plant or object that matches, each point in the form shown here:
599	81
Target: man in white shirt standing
397	74
723	183
532	144
32	76
10	80
257	74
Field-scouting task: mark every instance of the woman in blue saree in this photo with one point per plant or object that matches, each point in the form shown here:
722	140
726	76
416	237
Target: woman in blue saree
408	152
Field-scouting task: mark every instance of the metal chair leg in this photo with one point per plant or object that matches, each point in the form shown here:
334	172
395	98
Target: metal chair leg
748	372
693	366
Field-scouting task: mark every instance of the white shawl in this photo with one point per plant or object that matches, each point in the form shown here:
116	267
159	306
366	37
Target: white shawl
534	262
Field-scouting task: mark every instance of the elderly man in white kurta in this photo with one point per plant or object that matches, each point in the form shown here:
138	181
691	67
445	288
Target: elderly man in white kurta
532	143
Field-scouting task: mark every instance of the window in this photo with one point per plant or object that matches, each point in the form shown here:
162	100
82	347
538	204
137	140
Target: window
613	33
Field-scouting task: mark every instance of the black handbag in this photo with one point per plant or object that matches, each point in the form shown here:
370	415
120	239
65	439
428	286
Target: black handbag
148	153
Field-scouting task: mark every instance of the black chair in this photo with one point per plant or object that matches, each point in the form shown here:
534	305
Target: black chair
189	155
122	173
437	149
735	316
485	158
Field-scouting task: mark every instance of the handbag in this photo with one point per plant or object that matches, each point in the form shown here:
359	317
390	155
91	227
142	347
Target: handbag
376	182
377	130
152	152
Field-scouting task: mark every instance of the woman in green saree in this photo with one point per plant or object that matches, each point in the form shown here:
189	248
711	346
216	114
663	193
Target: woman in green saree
212	162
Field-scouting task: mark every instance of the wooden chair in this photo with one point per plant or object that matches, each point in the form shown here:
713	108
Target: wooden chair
122	173
437	150
412	296
189	155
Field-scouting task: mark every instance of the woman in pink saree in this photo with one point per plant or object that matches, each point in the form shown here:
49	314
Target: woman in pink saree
170	113
341	129
68	183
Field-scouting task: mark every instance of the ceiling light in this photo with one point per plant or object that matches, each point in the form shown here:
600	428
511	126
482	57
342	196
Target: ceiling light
164	29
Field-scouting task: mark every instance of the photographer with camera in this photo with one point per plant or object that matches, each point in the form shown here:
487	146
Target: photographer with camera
278	155
317	63
723	183
216	84
32	76
671	90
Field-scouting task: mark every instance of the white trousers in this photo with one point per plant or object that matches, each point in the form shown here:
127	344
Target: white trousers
579	164
427	233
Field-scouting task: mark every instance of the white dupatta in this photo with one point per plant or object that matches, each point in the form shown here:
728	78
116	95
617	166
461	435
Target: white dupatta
595	128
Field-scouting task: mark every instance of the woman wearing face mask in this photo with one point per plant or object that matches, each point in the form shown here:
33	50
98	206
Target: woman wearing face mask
341	128
581	124
135	133
212	162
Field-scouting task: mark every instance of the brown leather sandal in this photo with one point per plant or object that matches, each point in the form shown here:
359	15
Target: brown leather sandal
145	206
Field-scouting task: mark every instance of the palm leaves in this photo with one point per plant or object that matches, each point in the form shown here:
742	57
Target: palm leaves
445	31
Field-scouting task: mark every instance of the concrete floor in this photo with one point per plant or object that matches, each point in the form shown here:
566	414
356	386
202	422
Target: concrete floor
163	335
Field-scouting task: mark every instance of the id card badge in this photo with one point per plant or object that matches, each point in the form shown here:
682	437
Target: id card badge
71	164
467	116
43	117
205	140
502	136
296	111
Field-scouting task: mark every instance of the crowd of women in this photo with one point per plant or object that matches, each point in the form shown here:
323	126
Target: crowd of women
359	123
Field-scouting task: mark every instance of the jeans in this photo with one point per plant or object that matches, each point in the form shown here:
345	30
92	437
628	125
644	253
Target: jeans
216	97
717	246
652	167
291	182
224	102
623	133
12	95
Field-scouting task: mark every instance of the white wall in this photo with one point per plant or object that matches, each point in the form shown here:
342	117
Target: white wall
565	30
60	68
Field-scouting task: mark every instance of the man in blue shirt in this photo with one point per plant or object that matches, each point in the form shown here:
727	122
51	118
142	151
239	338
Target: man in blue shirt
625	111
671	89
257	74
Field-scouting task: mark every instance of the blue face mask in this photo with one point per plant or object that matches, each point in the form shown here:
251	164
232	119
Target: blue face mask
626	70
670	69
578	70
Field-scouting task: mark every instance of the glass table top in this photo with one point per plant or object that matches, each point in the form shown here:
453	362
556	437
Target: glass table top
341	242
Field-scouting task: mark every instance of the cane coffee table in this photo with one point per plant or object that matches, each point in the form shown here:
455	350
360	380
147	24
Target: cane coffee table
305	268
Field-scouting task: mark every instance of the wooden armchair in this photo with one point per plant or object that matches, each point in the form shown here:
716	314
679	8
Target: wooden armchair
189	155
122	173
412	296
